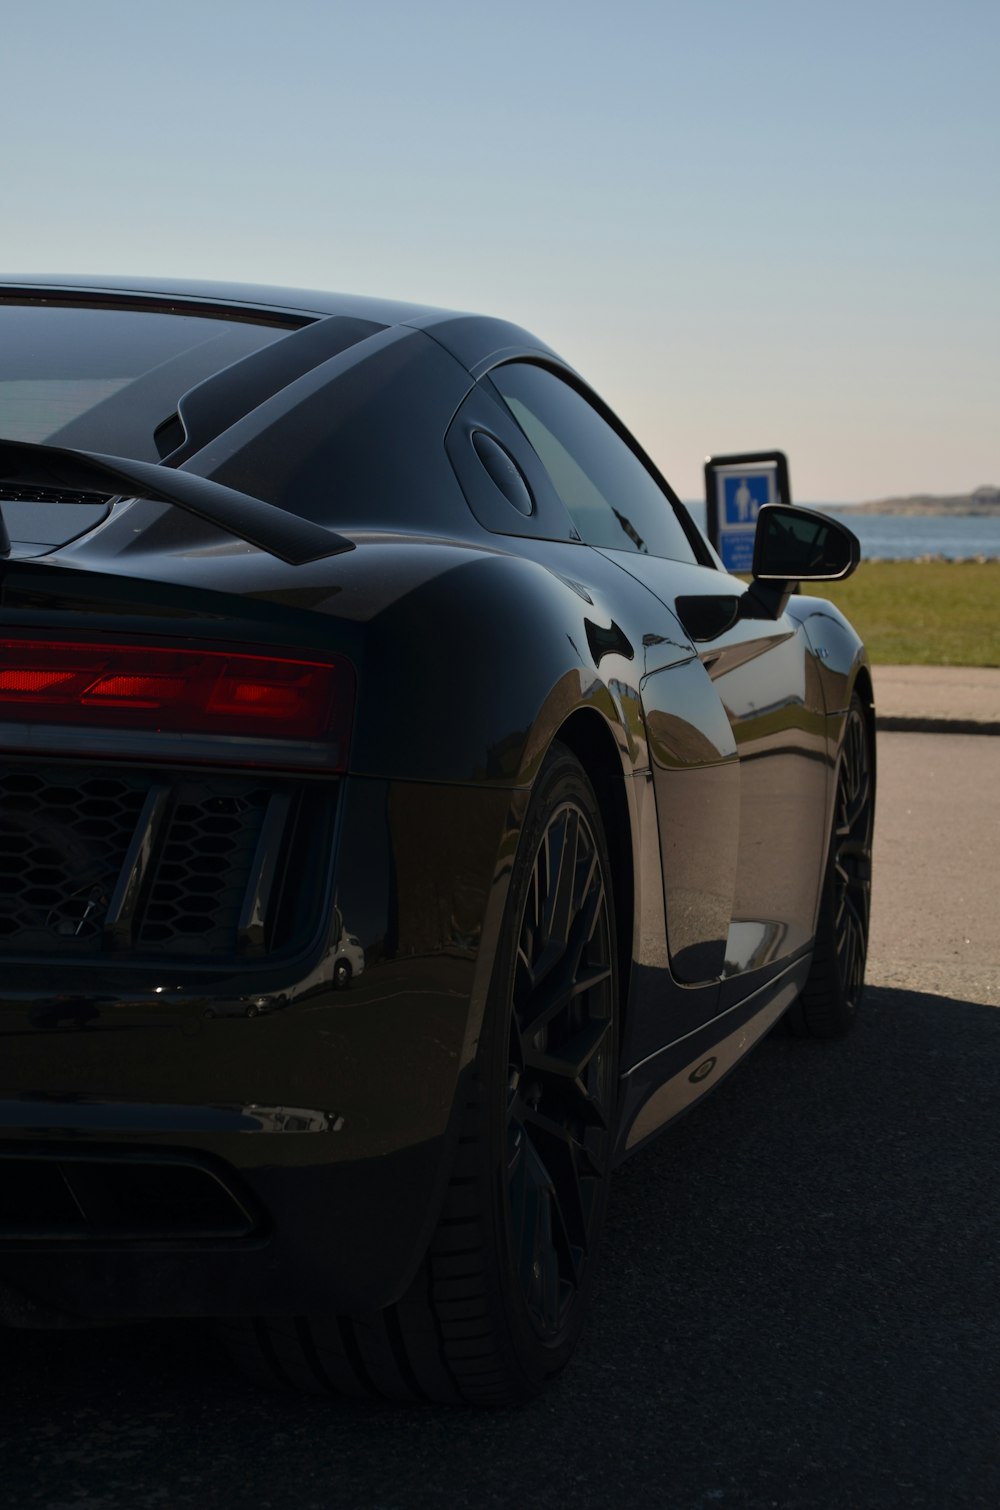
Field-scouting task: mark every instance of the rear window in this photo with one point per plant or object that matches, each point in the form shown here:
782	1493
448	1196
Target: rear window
104	379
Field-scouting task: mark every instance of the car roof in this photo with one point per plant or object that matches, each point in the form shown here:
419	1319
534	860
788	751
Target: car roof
478	341
244	295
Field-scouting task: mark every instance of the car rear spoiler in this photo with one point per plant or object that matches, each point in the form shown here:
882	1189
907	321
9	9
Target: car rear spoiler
271	529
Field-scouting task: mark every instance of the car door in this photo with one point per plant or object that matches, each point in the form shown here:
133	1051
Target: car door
765	677
736	732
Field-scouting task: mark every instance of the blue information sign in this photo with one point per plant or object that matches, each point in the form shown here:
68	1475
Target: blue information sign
739	488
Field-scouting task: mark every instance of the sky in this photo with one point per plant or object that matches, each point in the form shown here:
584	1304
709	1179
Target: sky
748	223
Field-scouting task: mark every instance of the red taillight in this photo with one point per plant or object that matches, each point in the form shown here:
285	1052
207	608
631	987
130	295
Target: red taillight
32	682
176	691
134	691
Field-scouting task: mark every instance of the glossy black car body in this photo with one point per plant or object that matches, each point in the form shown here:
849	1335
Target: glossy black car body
199	1112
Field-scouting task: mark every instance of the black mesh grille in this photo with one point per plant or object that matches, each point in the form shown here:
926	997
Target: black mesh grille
150	863
198	886
62	845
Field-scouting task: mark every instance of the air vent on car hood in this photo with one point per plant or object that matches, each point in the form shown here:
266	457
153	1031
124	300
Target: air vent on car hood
39	518
12	492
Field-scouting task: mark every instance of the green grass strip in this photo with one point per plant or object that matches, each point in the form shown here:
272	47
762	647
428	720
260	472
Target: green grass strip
923	613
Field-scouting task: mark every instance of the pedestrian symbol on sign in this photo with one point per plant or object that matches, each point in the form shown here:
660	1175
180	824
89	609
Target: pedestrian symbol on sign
744	501
744	497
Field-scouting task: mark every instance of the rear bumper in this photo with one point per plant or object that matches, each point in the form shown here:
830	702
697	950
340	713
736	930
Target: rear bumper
326	1110
332	1237
327	1121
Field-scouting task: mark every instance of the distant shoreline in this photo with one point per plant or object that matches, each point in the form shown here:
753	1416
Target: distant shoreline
933	558
983	502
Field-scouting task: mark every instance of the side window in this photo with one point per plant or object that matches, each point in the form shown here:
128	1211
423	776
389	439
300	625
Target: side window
611	497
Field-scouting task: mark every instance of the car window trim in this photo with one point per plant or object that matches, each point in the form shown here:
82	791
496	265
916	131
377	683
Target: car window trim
573	380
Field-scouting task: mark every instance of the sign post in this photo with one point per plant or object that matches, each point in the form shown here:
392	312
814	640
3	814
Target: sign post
735	489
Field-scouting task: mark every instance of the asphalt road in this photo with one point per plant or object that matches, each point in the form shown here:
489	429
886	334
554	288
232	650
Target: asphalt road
799	1302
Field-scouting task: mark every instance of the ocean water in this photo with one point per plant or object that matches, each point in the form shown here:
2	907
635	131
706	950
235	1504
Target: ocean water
902	537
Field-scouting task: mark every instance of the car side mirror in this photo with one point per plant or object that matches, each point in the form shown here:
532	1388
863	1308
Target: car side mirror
793	545
801	545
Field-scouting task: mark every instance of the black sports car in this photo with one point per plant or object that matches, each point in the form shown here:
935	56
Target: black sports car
403	816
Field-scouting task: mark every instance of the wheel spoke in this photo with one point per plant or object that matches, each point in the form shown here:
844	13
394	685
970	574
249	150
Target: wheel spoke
552	953
560	1078
536	1260
854	848
569	1105
829	999
559	852
570	1059
853	920
856	809
569	1168
851	857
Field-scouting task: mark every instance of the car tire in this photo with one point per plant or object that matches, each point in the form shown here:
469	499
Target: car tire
498	1304
827	1006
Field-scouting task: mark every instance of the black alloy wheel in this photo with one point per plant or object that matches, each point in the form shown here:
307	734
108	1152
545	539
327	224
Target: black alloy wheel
498	1304
829	1002
851	859
526	1204
560	1071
